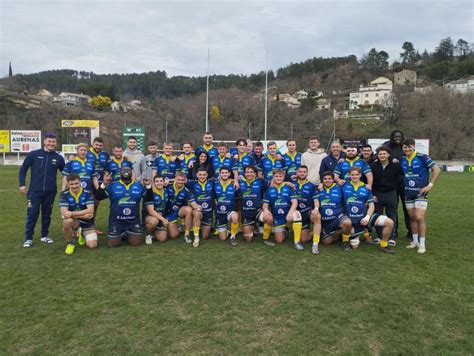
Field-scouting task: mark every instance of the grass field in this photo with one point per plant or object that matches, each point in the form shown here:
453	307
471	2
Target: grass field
172	298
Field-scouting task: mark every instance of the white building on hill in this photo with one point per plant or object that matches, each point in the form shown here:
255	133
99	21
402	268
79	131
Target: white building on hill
462	86
377	93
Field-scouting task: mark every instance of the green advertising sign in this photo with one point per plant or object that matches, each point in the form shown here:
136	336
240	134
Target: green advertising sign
138	133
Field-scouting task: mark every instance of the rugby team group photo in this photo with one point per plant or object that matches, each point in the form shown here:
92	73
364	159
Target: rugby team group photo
238	193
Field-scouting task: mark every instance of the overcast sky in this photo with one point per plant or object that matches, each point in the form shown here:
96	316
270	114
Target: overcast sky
141	36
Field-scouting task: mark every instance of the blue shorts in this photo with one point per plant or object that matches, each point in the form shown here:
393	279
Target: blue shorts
207	218
305	219
120	229
330	226
359	229
222	219
250	216
279	220
86	224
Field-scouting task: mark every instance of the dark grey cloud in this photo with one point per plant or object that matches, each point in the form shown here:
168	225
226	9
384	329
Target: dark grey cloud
141	36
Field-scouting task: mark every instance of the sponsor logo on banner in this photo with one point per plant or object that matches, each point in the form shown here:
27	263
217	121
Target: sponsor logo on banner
25	141
80	123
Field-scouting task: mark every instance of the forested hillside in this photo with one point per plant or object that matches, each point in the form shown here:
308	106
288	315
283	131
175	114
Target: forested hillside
237	101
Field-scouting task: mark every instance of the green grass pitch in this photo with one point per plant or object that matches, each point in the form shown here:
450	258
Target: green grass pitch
172	298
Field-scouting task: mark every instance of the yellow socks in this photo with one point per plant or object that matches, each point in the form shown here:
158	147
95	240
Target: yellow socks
297	227
316	239
234	228
196	230
383	243
186	232
267	230
345	238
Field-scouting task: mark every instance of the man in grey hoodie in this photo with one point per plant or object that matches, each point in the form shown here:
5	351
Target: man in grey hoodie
145	165
312	159
133	154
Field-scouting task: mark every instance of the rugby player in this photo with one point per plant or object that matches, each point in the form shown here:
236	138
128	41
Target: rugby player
165	165
178	207
156	221
187	158
124	218
242	159
331	207
416	169
83	167
77	211
280	208
270	162
251	189
225	192
203	192
99	158
223	158
360	207
341	172
292	160
116	163
257	153
308	205
207	146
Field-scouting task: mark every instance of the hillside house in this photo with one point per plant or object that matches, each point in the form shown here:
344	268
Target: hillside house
461	86
376	93
405	77
73	99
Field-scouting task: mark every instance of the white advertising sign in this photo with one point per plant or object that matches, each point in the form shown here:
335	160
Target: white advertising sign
25	141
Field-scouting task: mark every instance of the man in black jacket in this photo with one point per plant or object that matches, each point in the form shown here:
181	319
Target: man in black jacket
44	163
384	189
396	149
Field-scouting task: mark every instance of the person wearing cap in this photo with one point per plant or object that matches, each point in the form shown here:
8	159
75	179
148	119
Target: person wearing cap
44	163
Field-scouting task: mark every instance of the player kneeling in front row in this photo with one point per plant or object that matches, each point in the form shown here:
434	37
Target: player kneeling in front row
251	189
77	210
280	208
333	218
124	218
359	205
308	205
225	193
156	222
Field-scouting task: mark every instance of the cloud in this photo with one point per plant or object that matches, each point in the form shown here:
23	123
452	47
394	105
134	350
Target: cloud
142	36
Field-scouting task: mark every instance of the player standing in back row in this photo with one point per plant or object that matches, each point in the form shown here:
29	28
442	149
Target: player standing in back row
416	169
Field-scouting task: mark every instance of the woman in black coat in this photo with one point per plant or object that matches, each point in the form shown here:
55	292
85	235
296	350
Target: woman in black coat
202	160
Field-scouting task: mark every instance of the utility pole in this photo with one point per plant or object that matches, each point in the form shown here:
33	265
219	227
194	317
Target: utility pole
207	93
266	93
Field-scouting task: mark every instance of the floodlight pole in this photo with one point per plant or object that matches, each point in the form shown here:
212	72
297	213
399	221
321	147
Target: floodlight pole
266	93
207	93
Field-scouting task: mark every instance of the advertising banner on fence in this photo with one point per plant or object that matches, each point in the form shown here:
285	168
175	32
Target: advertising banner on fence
80	123
4	141
93	125
69	149
25	141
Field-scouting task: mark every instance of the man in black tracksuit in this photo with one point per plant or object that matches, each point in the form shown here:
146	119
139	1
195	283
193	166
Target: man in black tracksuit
395	145
384	189
45	163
